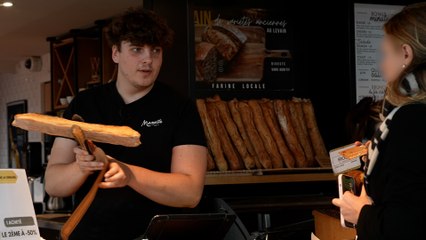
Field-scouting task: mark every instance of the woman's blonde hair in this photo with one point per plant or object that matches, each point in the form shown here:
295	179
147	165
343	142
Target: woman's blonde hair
409	27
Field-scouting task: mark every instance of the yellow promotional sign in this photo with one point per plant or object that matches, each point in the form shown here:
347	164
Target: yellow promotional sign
17	215
8	176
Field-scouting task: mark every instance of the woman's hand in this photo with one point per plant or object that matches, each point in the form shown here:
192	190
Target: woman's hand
351	205
117	175
367	145
86	162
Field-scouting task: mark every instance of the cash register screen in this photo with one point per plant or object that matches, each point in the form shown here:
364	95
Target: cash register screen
208	226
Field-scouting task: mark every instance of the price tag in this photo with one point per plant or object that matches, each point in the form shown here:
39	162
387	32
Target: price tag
346	158
17	215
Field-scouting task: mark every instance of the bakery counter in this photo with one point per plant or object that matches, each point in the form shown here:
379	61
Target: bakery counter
283	198
327	225
269	176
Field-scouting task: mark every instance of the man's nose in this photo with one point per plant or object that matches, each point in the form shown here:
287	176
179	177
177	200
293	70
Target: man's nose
146	56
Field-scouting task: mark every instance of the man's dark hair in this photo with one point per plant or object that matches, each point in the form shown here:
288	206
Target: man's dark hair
139	27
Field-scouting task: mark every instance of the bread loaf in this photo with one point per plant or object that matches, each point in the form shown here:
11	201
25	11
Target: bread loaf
248	119
274	127
272	133
321	153
206	61
234	135
298	120
210	162
212	136
236	116
224	44
57	126
229	151
232	31
283	115
265	134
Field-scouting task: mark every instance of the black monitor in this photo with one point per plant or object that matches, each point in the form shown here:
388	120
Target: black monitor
206	226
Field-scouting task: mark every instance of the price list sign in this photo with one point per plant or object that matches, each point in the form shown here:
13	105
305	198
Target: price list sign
368	26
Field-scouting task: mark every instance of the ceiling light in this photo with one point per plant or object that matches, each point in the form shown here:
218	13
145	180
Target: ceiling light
7	4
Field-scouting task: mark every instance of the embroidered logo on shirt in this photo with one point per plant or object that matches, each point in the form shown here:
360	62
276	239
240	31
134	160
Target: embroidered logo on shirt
155	123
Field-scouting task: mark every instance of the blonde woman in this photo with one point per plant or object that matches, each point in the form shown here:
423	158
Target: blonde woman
392	204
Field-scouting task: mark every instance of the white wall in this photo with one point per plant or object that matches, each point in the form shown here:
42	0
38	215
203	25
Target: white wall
18	86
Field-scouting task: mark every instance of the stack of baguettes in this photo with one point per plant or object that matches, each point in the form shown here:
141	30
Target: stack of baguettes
261	134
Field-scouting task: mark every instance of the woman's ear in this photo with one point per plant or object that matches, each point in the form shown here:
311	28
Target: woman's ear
407	52
115	53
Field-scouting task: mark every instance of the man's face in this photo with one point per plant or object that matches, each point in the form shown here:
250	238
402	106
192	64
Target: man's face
138	66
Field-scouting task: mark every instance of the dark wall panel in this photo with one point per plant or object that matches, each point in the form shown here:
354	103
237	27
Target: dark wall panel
323	56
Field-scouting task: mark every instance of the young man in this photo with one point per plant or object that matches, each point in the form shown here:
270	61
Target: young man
166	172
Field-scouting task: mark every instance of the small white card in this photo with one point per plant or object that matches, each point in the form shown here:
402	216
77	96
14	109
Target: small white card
341	164
17	216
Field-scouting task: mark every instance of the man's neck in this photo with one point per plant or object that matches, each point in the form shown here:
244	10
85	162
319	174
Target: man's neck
130	93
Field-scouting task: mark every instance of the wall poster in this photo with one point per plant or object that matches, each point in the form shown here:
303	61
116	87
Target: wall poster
368	33
242	49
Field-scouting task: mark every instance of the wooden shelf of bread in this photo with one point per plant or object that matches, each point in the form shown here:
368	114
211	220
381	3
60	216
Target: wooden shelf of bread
245	136
269	176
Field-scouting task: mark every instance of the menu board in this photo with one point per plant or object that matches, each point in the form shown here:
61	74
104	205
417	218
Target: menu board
368	29
242	49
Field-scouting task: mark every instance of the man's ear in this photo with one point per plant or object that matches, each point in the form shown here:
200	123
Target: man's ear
407	52
115	53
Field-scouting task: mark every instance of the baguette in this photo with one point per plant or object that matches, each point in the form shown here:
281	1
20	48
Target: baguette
57	126
236	116
271	121
298	120
265	134
226	144
232	130
321	154
288	131
256	140
210	162
211	136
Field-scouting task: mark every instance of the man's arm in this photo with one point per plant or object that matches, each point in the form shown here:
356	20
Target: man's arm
64	176
183	187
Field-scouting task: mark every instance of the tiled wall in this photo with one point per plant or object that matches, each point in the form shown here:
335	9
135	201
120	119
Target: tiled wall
18	86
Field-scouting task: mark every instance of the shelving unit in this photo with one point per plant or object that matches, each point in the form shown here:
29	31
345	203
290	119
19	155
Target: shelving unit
269	176
108	67
62	54
80	59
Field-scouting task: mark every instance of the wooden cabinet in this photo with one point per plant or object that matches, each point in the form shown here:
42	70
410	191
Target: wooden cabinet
62	71
80	59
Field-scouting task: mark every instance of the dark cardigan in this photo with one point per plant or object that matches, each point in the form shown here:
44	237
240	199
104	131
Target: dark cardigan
397	184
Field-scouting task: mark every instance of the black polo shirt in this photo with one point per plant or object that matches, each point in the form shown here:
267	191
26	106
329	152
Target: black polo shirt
165	120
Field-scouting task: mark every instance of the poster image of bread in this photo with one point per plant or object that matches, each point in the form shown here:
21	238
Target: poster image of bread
242	49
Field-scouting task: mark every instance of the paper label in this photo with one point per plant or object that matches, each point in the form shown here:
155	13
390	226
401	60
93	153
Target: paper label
8	176
17	216
346	158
